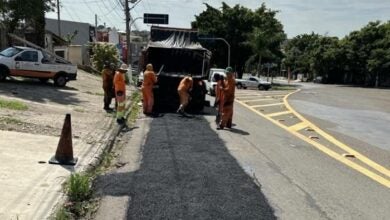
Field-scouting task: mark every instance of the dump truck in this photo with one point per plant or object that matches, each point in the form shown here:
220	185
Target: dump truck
176	53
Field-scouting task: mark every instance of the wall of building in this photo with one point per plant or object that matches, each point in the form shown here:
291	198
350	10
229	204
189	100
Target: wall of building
75	54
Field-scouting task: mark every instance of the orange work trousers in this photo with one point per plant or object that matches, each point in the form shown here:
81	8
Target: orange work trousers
227	115
147	99
184	98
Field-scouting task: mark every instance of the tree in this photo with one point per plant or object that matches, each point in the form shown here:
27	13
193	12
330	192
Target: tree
235	24
31	12
368	53
103	52
362	57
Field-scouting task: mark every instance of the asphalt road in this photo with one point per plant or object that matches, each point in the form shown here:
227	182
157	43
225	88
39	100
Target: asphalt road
183	168
357	116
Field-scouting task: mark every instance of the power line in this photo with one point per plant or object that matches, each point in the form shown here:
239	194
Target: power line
112	10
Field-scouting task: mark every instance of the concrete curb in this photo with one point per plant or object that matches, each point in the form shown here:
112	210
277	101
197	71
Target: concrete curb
107	147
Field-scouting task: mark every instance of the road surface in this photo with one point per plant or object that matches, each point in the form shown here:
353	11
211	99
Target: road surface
272	164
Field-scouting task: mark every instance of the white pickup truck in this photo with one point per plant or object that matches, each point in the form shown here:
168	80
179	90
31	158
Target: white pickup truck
253	82
33	63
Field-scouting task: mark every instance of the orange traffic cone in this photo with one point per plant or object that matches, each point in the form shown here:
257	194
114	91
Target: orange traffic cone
64	153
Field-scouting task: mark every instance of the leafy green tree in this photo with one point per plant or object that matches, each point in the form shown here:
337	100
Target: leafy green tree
236	25
368	52
103	52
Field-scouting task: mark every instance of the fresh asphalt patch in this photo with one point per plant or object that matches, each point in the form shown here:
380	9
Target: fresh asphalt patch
186	172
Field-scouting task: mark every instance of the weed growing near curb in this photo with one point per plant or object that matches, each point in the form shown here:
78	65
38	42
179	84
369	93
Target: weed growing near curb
13	105
79	188
134	108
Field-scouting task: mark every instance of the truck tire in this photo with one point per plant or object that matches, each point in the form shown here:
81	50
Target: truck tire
60	80
261	87
239	86
3	73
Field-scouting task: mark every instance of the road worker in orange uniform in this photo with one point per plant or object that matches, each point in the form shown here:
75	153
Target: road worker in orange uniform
147	89
108	85
120	93
183	89
228	99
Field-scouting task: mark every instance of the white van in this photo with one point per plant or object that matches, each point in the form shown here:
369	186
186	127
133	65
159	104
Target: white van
211	82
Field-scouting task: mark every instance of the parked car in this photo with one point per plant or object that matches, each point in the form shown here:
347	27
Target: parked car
253	82
211	82
33	63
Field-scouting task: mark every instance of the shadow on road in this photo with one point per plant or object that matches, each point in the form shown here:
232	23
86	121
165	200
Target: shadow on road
238	131
187	173
33	90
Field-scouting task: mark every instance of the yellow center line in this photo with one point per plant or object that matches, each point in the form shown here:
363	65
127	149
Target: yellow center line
333	140
267	105
324	149
298	126
278	114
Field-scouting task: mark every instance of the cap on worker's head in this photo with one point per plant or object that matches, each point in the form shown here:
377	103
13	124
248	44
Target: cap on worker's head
229	69
123	68
149	67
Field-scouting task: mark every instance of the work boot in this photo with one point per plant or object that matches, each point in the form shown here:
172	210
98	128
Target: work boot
229	124
220	127
180	111
120	121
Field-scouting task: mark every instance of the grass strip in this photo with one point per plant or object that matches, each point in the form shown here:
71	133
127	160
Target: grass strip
13	105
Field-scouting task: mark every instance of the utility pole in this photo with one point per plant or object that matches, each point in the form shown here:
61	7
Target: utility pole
128	52
96	23
59	19
222	39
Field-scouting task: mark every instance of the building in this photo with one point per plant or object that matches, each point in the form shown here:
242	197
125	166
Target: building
84	33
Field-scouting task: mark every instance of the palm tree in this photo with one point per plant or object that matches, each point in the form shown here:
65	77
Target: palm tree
264	44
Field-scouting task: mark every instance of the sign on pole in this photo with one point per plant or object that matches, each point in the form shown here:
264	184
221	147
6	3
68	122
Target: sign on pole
156	18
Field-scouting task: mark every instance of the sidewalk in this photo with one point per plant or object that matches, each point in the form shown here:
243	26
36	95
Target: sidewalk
31	188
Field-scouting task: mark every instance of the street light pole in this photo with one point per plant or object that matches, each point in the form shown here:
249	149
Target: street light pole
222	39
58	18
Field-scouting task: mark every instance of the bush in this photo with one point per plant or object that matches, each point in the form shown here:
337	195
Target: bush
103	52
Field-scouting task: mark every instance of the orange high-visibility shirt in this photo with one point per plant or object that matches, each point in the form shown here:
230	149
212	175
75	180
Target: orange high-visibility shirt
149	79
185	84
229	89
119	82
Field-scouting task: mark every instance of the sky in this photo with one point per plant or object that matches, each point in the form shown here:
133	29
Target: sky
327	17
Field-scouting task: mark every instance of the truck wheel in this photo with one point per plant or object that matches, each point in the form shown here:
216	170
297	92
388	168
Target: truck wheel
239	86
3	73
60	80
261	87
